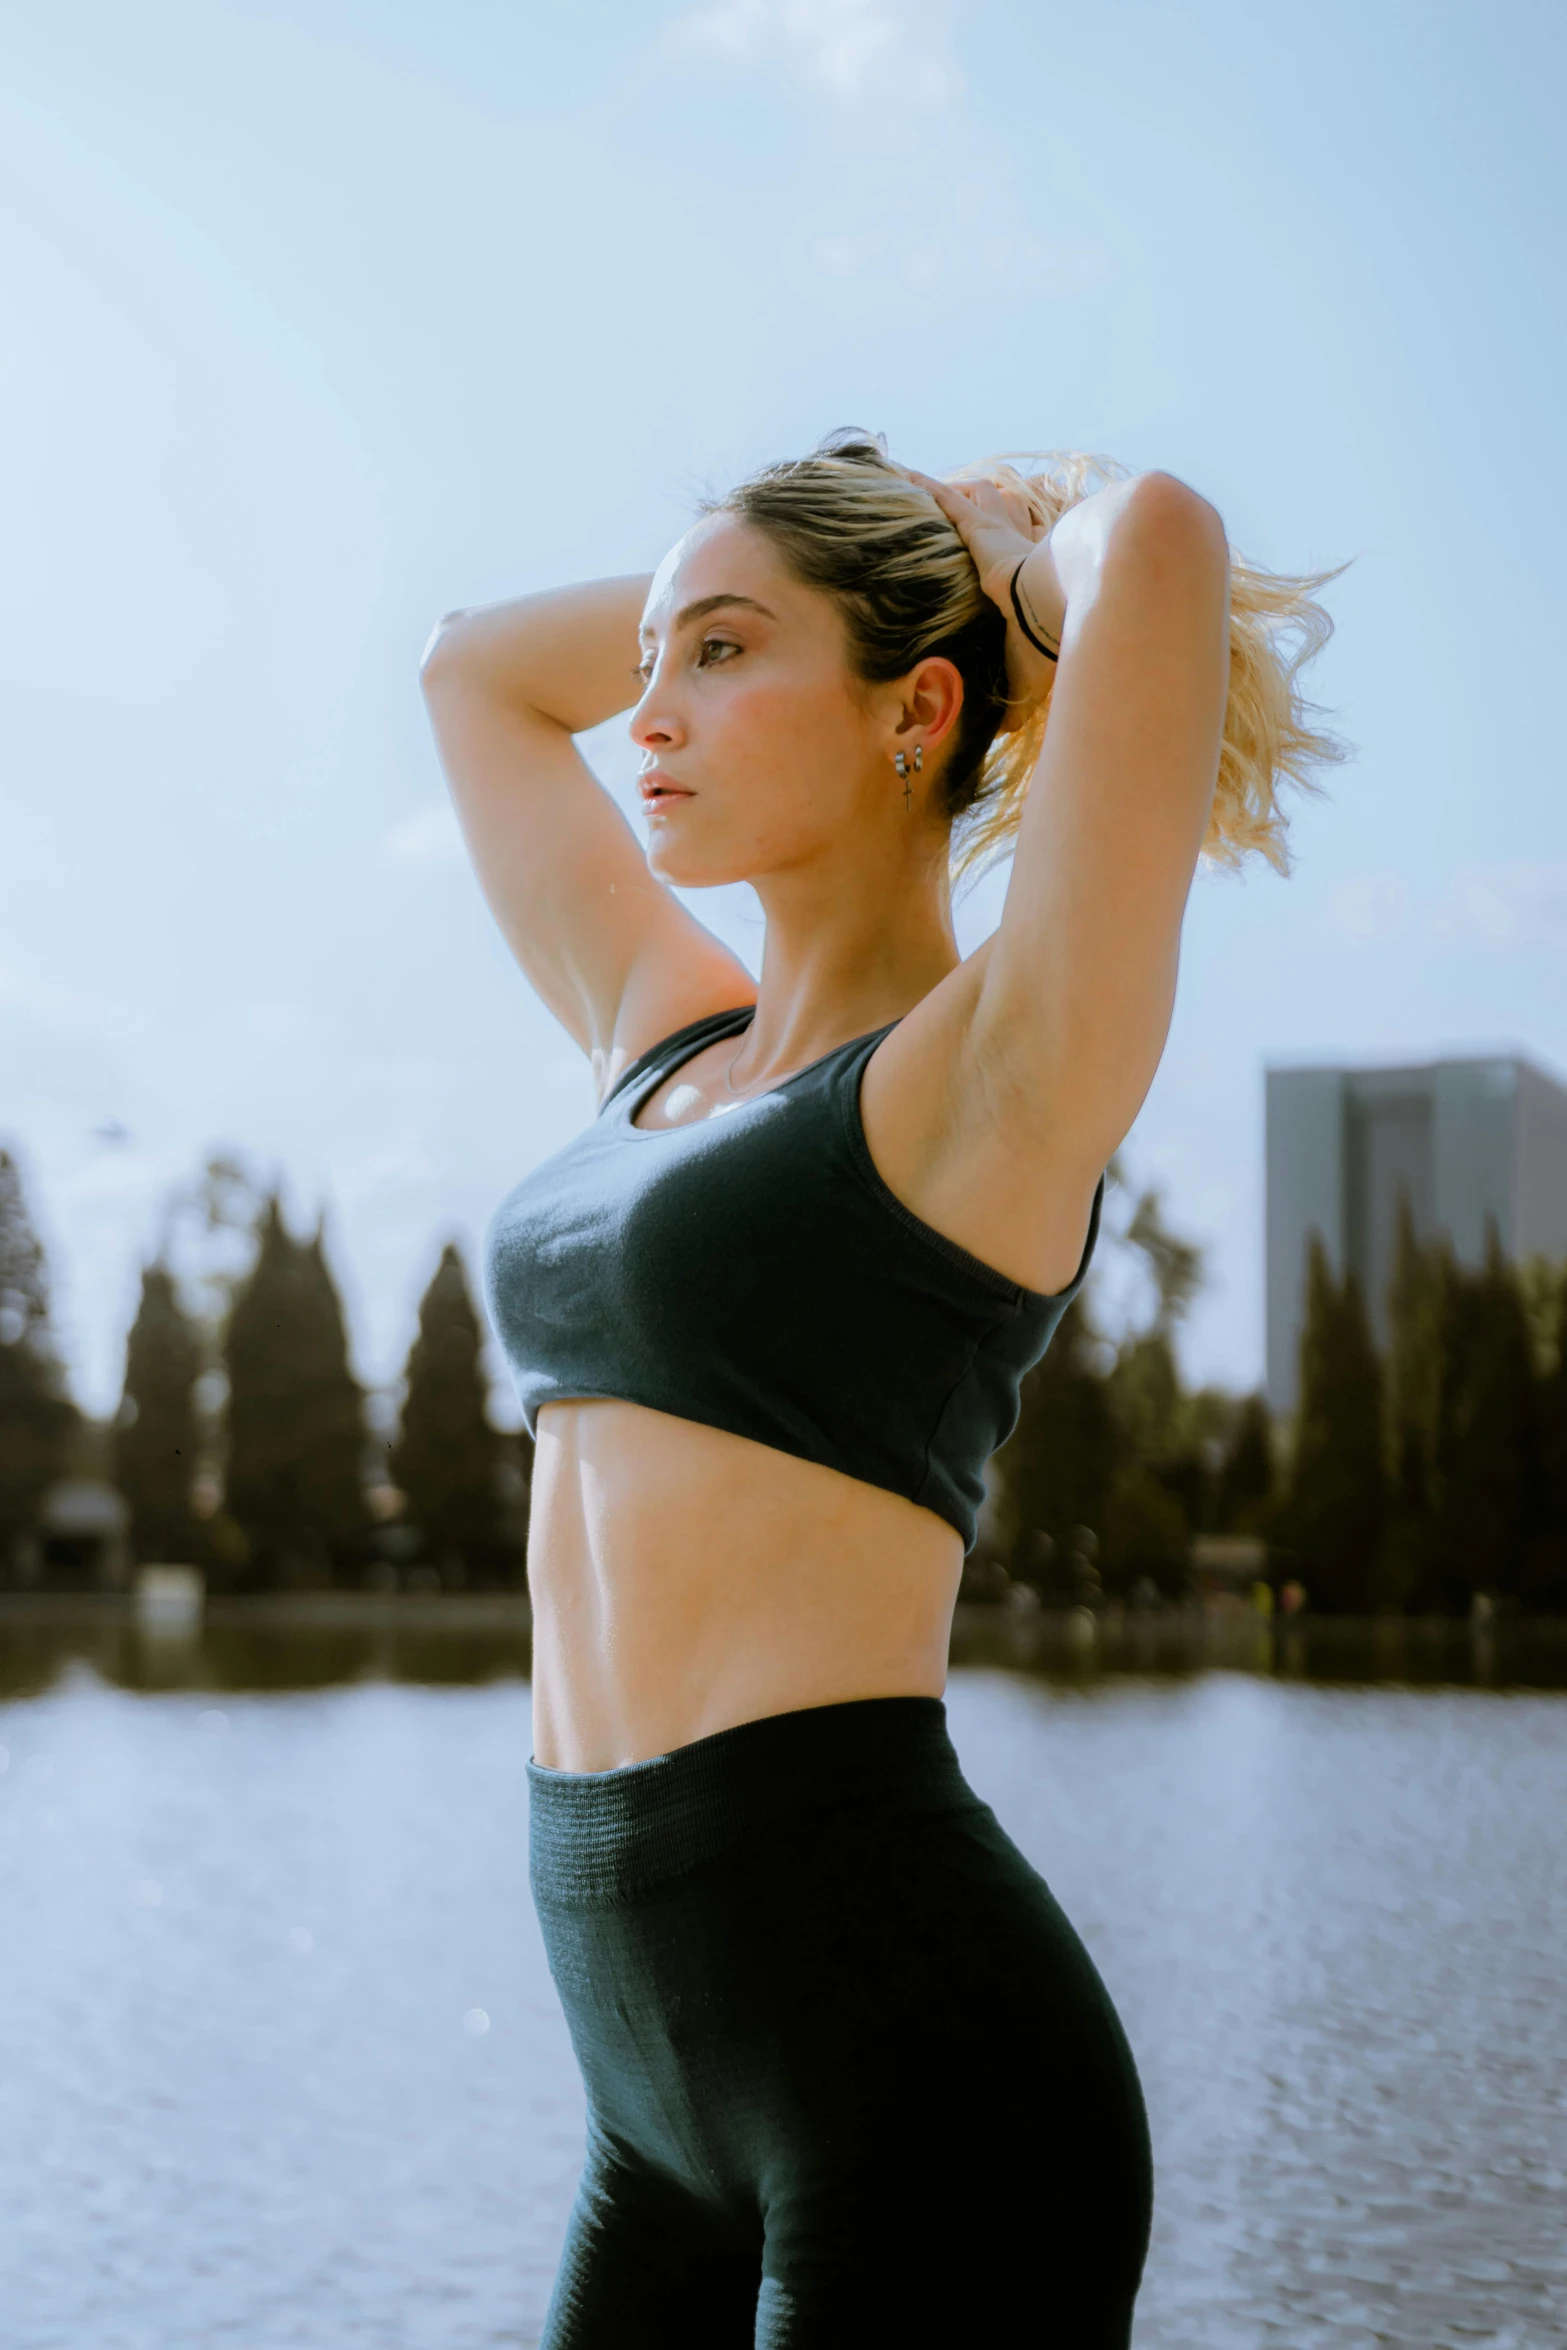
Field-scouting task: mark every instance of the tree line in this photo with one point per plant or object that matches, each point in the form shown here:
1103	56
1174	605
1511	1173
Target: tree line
1411	1478
243	1446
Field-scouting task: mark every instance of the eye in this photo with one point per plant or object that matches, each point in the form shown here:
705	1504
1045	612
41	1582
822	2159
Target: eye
644	670
715	648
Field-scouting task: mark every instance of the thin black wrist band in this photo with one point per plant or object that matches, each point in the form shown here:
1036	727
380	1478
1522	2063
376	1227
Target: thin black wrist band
1022	619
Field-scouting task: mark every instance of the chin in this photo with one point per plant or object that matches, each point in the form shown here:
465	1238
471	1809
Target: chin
689	873
682	865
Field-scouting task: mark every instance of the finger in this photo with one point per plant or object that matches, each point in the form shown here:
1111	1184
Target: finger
924	481
989	499
958	510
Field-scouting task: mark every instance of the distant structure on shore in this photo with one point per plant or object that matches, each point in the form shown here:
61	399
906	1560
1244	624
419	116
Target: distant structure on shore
1471	1141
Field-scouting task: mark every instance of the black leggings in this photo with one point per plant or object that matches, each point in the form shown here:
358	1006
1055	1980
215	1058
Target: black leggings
852	2078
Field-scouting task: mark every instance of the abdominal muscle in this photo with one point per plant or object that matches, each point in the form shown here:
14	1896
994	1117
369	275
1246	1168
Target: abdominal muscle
685	1580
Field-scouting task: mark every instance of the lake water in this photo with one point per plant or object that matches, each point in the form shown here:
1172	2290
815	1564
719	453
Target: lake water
283	2063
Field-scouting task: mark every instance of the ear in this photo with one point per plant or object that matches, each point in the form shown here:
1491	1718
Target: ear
931	699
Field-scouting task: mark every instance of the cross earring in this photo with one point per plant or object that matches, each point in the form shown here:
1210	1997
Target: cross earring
901	769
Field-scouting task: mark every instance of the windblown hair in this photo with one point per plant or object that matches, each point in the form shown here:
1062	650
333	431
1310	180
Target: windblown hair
848	521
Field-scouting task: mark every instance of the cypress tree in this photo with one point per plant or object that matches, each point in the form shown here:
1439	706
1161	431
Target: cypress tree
1146	1395
1486	1455
1243	1501
1335	1514
447	1457
36	1416
296	1439
155	1431
334	1460
1159	1494
1415	1306
1115	1448
1056	1470
1174	1265
1414	1303
1544	1583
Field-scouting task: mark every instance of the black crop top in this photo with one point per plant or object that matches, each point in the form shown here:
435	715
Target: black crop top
754	1272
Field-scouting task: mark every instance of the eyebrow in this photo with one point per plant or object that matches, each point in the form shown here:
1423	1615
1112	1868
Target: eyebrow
706	604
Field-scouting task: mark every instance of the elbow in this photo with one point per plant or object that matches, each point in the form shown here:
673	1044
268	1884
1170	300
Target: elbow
1174	523
443	650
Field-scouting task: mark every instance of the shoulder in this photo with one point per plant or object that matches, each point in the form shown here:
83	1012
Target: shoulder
947	1137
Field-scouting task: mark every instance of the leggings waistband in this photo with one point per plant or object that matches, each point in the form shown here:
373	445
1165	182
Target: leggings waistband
600	1836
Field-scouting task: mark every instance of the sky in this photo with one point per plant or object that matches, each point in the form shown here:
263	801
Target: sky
325	316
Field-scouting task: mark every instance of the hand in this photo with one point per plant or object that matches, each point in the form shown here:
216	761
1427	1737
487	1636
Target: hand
1000	530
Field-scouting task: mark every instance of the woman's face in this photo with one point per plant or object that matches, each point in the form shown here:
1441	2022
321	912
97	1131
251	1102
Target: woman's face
760	750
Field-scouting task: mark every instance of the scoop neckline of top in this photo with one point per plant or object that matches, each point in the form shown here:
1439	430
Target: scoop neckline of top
633	1087
629	1097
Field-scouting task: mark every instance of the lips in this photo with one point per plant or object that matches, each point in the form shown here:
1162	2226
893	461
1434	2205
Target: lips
660	790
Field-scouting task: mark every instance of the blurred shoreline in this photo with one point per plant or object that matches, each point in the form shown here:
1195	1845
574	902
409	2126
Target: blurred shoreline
314	1638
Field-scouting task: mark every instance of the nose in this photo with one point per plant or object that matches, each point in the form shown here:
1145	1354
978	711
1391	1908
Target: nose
655	724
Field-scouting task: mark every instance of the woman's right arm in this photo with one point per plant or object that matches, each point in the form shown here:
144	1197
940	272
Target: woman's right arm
610	949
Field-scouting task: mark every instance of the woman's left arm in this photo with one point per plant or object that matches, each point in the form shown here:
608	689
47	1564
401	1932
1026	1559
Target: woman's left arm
1073	1005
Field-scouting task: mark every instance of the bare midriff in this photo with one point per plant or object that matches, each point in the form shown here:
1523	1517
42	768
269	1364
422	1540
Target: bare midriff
685	1580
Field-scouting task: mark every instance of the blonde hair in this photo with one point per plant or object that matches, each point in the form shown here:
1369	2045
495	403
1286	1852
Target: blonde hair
849	521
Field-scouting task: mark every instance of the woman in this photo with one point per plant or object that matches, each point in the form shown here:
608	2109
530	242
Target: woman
851	2077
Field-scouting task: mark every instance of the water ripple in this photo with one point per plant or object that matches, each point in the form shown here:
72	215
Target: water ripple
284	2065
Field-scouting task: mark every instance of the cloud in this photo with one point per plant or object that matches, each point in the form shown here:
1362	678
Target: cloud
1370	905
1517	905
852	49
938	205
846	256
432	837
1017	267
1510	905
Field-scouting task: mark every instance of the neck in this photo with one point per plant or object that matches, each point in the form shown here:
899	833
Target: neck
846	952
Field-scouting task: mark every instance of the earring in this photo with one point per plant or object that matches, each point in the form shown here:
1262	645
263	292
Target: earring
900	768
919	757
